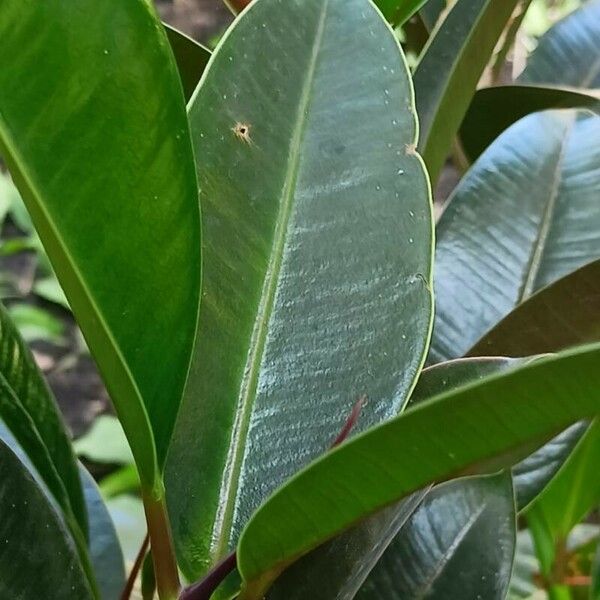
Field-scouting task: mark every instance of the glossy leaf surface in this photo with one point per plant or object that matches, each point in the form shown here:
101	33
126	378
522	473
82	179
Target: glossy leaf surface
565	313
30	412
98	145
337	569
191	58
458	544
38	558
495	109
449	69
460	540
496	422
501	238
317	257
569	53
105	551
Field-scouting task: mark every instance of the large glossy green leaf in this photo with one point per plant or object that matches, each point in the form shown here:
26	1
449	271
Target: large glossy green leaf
501	238
449	69
191	58
317	257
29	410
105	551
569	53
94	130
338	569
38	558
495	422
560	315
495	109
563	314
459	542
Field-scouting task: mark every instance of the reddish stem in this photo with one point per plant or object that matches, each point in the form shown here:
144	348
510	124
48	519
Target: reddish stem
204	589
137	565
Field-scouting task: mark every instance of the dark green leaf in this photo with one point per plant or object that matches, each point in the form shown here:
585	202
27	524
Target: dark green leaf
501	238
569	53
460	541
449	69
317	254
563	314
98	145
458	544
495	109
495	423
191	58
338	568
105	551
38	558
29	410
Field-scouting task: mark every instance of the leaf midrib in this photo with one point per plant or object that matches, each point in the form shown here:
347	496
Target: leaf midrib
449	552
230	481
534	263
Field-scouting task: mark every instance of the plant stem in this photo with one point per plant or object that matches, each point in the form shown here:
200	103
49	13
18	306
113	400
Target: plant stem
126	594
203	589
161	543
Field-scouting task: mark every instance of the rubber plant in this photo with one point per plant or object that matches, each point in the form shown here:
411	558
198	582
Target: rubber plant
246	239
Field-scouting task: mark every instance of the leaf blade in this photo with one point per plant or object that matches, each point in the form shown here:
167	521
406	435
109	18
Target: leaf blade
449	69
30	526
472	253
518	407
459	523
304	213
92	256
